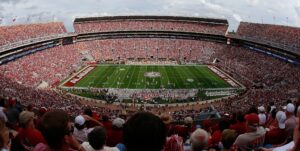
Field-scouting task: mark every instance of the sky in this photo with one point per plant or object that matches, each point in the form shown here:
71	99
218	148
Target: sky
282	12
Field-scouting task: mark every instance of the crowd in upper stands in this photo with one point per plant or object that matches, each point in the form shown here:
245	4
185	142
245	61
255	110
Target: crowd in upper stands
270	34
17	33
155	48
51	66
150	25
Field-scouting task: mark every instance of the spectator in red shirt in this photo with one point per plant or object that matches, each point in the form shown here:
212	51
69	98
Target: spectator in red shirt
271	122
207	125
217	135
94	119
277	135
167	119
185	130
174	143
107	124
38	120
240	126
28	135
115	135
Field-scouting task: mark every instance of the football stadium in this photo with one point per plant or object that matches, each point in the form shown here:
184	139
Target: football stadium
172	83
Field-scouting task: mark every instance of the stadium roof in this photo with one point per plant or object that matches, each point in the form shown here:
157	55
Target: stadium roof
177	18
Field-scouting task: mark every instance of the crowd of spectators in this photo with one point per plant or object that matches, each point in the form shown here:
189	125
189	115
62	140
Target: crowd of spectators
267	79
150	25
151	48
40	129
267	33
16	33
50	66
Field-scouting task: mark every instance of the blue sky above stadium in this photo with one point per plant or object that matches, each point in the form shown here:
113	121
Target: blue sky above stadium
260	11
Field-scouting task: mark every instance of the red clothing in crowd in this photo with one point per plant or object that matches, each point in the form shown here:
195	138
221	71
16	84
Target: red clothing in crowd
239	127
30	136
215	138
276	136
169	129
184	131
91	124
114	136
107	125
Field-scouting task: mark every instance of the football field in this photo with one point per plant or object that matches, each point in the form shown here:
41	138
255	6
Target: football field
152	77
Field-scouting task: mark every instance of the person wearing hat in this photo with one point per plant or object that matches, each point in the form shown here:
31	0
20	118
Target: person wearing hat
272	135
167	119
185	130
115	135
253	138
81	130
262	116
294	145
240	126
107	123
215	138
28	136
291	121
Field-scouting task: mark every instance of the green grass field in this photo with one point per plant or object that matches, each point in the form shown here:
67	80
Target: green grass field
169	77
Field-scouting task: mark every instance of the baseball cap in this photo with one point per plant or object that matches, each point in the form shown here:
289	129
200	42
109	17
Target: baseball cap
290	108
261	109
188	120
118	122
262	119
252	119
166	118
281	117
79	120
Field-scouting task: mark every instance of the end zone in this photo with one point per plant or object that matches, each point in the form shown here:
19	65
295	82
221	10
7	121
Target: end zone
72	81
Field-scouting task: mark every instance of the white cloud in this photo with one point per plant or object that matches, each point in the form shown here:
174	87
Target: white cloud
297	9
253	2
